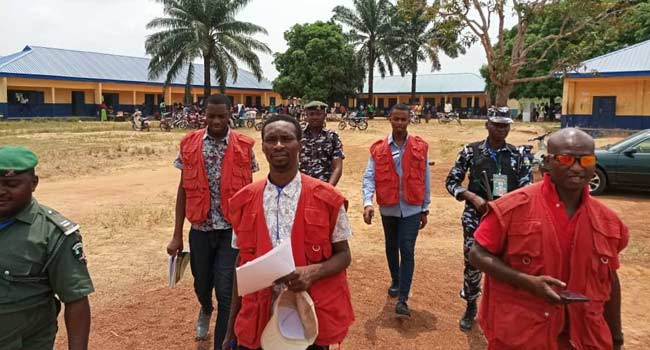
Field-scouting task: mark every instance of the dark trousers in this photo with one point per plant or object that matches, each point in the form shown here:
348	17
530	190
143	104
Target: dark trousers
471	275
400	234
312	347
212	260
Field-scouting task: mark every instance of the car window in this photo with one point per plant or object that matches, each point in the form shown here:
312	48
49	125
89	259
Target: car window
625	143
643	147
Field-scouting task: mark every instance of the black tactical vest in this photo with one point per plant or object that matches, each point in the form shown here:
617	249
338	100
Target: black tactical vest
482	161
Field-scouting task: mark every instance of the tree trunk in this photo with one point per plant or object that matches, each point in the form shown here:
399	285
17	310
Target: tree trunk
207	86
371	72
503	94
414	80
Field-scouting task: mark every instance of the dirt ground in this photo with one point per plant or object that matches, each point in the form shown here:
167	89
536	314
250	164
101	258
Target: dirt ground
120	186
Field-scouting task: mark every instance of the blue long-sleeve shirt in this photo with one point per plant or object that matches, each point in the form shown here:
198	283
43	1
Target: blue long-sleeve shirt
402	209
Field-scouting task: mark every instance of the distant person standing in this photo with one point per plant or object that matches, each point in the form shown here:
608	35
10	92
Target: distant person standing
427	112
321	154
25	107
448	107
398	171
215	163
103	111
505	169
42	262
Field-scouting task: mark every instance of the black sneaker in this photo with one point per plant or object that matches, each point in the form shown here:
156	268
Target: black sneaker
467	322
401	309
393	291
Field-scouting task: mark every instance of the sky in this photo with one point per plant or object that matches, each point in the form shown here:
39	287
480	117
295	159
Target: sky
118	27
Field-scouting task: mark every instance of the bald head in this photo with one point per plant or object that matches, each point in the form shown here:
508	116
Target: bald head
570	141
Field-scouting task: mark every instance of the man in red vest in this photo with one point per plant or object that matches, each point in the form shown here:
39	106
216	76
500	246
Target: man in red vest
550	253
398	171
215	163
288	205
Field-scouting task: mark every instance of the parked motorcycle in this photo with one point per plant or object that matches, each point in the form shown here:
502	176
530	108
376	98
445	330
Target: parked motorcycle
414	118
139	122
354	122
538	157
166	124
446	118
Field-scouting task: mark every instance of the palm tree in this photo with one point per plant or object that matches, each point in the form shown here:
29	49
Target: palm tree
370	32
204	29
418	38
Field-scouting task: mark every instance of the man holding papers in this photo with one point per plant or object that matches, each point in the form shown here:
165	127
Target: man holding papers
310	214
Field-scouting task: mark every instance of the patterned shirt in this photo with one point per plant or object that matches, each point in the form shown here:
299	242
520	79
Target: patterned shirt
213	152
465	162
280	210
318	152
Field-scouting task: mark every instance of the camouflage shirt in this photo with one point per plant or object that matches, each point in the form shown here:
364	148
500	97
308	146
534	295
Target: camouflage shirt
318	152
465	162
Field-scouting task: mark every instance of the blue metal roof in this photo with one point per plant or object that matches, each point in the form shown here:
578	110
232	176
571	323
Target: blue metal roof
429	84
61	64
631	61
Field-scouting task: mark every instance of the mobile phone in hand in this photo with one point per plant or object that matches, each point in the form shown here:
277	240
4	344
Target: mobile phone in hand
568	296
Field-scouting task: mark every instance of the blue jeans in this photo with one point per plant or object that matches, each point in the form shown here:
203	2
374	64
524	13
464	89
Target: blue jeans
212	260
400	234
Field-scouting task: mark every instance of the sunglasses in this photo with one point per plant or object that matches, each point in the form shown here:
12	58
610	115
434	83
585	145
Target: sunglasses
569	160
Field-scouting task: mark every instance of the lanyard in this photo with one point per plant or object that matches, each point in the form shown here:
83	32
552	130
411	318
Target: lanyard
495	157
6	223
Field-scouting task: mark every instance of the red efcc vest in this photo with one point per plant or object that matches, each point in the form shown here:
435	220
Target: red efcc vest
235	172
315	220
413	168
512	318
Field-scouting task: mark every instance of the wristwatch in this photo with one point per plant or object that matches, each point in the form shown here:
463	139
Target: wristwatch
425	212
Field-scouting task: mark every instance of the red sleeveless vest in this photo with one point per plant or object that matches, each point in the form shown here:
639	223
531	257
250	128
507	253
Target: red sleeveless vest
315	219
413	168
235	172
515	319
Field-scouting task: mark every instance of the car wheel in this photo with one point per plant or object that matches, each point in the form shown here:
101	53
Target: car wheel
598	182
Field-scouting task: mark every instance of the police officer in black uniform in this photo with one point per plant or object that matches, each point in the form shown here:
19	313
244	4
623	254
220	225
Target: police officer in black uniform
495	168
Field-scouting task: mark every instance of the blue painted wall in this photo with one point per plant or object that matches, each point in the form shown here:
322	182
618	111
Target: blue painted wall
46	110
621	122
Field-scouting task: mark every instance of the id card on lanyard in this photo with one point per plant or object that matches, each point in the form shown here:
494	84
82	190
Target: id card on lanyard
499	182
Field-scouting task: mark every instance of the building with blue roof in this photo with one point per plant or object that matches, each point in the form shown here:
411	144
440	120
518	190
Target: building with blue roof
610	91
50	82
465	91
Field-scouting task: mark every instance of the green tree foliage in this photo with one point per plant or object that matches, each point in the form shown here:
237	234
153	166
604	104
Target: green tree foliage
204	29
553	23
319	64
417	38
371	32
633	27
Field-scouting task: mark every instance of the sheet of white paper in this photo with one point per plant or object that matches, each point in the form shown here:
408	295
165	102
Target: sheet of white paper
290	324
263	271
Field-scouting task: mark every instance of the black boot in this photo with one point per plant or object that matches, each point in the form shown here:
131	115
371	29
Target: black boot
467	321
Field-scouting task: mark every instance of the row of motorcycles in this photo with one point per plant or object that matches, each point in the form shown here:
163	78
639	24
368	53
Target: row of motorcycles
182	120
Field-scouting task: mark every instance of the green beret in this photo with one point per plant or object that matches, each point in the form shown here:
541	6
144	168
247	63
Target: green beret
15	160
317	105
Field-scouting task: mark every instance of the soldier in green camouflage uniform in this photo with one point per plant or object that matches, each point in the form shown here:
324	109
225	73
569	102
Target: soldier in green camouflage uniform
42	263
321	155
